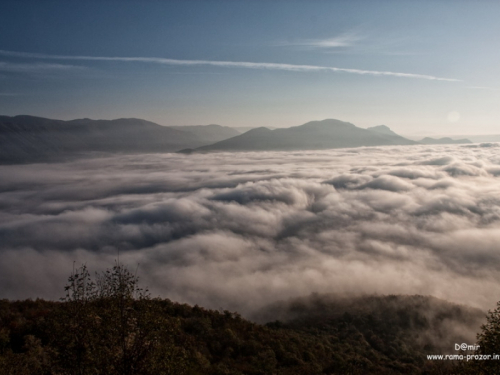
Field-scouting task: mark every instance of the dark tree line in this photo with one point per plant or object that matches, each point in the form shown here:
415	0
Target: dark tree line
108	325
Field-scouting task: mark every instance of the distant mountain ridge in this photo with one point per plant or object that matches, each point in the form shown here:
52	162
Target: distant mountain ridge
29	138
244	129
383	129
209	133
443	141
314	135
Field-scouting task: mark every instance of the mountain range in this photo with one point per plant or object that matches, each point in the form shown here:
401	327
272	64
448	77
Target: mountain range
314	135
28	138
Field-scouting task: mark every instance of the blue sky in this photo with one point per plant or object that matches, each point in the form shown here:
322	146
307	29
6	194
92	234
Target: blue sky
419	67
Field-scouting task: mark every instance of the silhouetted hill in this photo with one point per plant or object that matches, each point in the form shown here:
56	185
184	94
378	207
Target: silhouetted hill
443	141
29	138
256	139
383	129
423	321
244	129
314	135
209	133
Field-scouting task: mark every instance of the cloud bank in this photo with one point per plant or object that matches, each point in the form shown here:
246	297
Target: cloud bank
241	230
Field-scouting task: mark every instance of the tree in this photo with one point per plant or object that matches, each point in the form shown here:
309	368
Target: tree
489	344
75	329
112	326
489	337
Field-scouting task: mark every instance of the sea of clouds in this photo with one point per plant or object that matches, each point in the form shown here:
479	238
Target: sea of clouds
242	230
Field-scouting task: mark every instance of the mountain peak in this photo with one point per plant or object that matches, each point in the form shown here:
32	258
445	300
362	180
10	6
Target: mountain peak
325	123
383	129
261	129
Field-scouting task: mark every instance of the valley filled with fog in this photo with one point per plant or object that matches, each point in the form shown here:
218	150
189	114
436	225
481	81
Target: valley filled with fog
242	230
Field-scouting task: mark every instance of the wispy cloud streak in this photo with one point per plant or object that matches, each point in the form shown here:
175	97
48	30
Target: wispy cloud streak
344	40
229	64
483	88
35	68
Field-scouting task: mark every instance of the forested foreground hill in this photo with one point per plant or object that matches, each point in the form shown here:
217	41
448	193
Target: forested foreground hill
108	328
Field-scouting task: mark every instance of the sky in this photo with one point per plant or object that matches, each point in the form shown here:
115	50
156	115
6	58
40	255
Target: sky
419	67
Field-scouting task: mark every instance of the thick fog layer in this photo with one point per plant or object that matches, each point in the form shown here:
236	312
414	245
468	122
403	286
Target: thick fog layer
240	230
